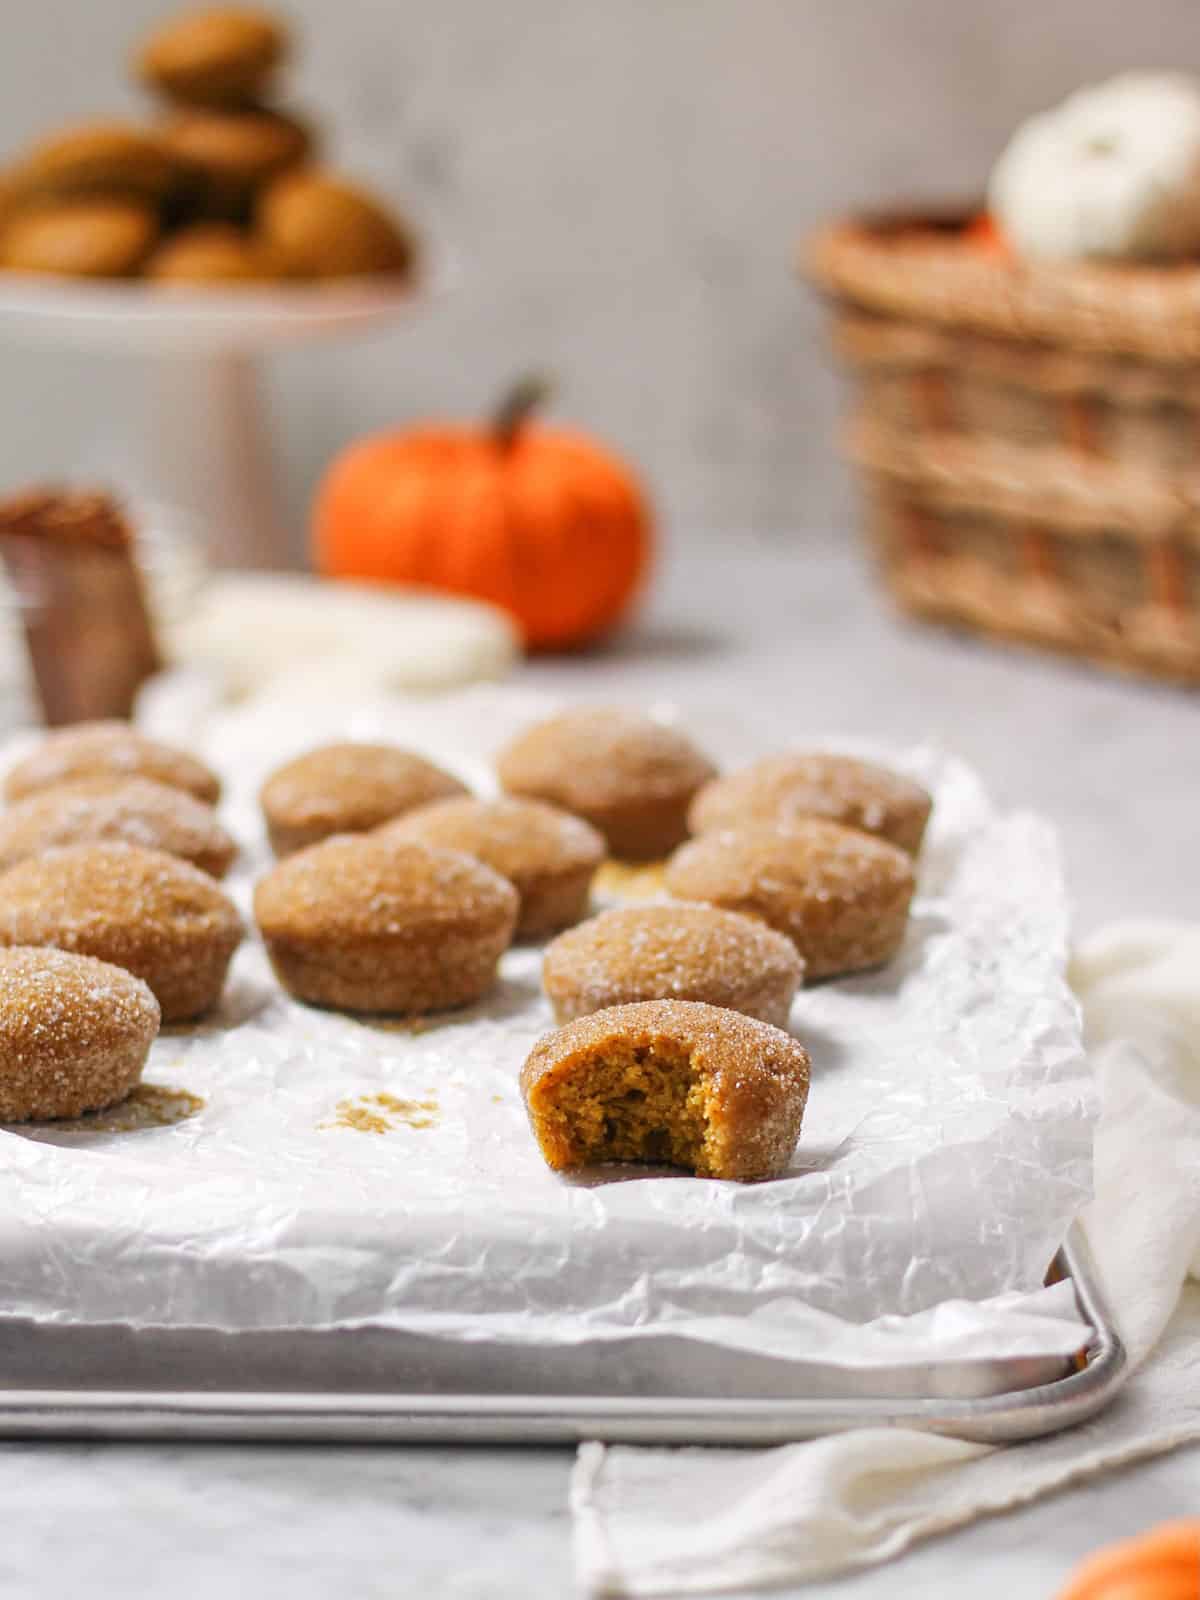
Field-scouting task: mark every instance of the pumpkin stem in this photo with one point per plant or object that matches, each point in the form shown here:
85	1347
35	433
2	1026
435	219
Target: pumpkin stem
518	405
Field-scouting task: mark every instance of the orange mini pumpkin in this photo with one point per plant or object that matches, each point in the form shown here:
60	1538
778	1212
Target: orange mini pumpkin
542	522
1161	1564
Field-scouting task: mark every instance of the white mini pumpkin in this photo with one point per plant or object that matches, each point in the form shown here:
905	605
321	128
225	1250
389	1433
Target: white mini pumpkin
1113	172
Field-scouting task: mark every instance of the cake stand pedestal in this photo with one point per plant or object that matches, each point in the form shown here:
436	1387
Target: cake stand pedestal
189	431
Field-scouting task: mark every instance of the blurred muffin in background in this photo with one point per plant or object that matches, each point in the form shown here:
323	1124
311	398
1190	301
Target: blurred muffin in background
210	252
101	238
227	156
97	158
223	57
319	226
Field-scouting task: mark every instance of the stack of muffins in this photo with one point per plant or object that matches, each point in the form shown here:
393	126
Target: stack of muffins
223	188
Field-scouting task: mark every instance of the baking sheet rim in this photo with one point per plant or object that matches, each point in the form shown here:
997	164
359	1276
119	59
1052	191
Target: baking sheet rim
1020	1412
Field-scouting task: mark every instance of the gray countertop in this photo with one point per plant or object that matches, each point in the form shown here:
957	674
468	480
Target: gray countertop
797	634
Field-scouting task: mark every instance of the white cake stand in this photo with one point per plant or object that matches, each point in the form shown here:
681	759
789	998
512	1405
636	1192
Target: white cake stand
192	434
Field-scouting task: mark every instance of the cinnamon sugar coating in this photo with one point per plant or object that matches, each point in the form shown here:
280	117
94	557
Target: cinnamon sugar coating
789	788
74	1033
668	1081
371	924
347	788
672	952
134	810
629	776
109	750
160	918
548	855
841	896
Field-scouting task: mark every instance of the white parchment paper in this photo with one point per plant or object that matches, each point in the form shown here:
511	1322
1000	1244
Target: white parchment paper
347	1170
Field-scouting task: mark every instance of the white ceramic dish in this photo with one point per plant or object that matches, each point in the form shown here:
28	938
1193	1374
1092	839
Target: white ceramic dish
190	430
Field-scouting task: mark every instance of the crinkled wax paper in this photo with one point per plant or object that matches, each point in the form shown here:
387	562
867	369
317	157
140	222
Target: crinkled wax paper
345	1170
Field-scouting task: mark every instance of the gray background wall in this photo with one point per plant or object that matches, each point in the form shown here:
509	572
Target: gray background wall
626	183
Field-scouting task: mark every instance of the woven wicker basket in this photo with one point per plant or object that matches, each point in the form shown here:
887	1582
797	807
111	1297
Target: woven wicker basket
1029	438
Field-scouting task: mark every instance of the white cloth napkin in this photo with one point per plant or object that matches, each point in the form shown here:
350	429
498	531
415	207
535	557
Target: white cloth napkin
676	1522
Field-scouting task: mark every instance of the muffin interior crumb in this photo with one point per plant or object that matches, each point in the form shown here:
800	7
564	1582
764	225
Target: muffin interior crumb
629	1102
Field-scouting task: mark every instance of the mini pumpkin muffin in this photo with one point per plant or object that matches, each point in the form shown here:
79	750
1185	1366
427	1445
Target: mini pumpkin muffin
668	1081
158	917
100	160
786	788
548	855
318	226
347	788
109	750
672	952
80	238
841	896
228	155
629	776
135	810
225	56
371	924
209	253
74	1033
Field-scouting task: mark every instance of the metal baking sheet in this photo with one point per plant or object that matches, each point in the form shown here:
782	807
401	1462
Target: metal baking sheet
111	1348
365	1385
